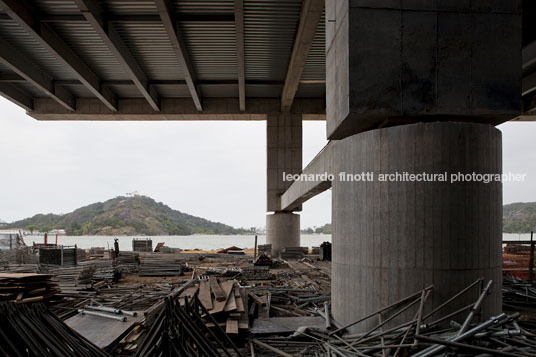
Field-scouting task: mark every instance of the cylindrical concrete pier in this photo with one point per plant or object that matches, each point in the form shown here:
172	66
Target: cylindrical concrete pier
392	238
282	230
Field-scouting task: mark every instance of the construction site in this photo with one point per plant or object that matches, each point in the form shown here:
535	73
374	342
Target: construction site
405	87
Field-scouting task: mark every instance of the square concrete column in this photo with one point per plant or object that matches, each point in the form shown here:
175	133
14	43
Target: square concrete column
393	62
284	155
284	151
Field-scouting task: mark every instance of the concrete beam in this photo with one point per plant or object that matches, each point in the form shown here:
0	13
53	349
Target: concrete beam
166	15
19	64
529	55
11	78
25	17
528	84
240	52
301	191
151	19
15	95
311	13
137	109
108	34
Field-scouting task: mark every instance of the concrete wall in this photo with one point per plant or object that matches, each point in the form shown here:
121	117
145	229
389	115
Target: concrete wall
393	62
391	239
284	150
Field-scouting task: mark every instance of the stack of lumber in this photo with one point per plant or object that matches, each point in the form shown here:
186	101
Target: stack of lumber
96	252
105	271
226	302
21	255
266	248
128	262
26	287
293	252
73	279
20	268
160	265
257	273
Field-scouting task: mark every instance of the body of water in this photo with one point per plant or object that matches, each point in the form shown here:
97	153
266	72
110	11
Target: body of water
203	242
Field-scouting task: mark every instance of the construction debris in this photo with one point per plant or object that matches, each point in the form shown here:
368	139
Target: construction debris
180	330
161	265
142	304
293	252
263	260
26	287
32	330
142	245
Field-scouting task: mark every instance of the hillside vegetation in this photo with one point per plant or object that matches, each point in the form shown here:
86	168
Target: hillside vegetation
126	216
519	217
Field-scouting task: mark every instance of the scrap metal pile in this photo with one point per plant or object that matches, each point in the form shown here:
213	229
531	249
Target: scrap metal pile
32	330
180	330
229	306
421	335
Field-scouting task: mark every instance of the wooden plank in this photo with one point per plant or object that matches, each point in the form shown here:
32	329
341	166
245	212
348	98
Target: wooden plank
286	324
219	306
243	321
256	299
204	295
230	302
231	327
239	301
218	292
190	292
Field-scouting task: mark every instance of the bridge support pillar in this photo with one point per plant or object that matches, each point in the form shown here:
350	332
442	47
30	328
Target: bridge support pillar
284	157
405	88
397	234
282	230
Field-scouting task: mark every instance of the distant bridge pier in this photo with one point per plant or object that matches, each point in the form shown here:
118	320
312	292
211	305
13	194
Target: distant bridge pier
417	87
284	156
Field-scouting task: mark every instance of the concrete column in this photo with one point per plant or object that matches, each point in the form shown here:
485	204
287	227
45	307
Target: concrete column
282	230
397	62
284	156
393	238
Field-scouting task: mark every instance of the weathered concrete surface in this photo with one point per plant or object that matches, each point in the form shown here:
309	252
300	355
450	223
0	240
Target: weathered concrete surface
391	239
284	150
302	190
393	62
282	230
175	109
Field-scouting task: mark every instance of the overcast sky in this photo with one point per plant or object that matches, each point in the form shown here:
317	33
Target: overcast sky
215	170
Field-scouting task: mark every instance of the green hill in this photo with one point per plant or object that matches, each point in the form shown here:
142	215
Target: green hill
519	217
125	216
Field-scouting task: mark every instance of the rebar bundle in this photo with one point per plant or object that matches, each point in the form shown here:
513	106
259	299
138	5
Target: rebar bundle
180	331
32	330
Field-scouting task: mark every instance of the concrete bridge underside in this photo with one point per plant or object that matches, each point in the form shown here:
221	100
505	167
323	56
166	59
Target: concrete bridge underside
404	86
